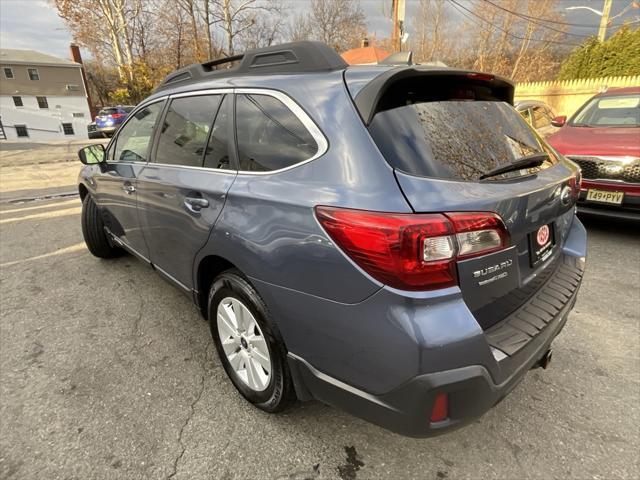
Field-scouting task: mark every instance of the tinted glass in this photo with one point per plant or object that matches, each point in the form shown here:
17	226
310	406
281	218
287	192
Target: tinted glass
217	155
270	136
610	111
185	130
457	140
540	118
132	144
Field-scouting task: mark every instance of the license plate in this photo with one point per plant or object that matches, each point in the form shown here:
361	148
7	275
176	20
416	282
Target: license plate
541	244
605	196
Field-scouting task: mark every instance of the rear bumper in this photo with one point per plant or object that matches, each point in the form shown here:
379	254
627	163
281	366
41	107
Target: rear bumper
472	390
109	129
386	358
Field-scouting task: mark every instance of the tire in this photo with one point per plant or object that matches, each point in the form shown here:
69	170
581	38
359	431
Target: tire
272	394
93	231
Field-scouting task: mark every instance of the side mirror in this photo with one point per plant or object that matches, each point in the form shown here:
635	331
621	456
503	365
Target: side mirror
92	155
559	121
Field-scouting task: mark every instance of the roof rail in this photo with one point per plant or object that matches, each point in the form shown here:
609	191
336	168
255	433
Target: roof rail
287	58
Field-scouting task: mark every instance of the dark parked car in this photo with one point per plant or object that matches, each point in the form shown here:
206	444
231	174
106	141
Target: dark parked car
603	138
363	236
109	119
92	131
539	115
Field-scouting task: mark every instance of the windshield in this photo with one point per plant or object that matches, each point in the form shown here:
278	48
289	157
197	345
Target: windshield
610	111
108	111
456	140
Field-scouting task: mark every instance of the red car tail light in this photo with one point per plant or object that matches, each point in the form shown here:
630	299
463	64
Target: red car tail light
116	115
412	251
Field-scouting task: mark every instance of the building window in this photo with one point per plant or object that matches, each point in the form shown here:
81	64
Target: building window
42	102
33	74
17	101
78	115
67	128
21	130
8	73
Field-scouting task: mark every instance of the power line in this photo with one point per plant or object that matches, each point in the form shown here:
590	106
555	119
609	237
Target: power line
549	20
456	4
537	21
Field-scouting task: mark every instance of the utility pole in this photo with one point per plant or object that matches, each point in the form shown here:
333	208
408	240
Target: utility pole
398	8
606	10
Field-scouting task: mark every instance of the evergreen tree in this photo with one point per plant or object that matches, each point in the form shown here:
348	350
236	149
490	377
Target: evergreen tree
617	56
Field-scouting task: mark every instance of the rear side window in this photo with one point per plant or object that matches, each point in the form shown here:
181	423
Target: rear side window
453	139
269	135
185	130
217	154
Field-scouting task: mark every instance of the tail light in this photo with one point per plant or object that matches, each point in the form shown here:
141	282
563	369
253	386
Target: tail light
116	115
413	251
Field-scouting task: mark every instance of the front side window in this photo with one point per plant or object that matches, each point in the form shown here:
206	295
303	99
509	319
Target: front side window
185	130
134	137
42	102
269	135
33	74
610	111
17	101
540	117
8	73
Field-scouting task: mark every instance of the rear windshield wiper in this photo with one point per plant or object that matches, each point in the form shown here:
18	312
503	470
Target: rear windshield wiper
528	161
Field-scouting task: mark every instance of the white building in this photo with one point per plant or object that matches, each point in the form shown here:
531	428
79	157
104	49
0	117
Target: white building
41	97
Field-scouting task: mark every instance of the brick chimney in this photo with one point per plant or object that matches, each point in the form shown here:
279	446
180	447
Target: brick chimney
76	57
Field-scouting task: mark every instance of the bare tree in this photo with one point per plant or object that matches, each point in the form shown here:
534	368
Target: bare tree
339	23
435	37
242	20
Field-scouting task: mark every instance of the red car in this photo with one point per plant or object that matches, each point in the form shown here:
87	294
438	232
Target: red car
603	137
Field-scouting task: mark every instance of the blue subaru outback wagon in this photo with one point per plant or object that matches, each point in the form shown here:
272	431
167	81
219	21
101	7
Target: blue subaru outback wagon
395	241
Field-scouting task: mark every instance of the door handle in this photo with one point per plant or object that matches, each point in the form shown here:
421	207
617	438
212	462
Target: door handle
195	204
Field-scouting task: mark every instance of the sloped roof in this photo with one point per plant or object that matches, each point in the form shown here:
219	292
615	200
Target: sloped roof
364	55
11	56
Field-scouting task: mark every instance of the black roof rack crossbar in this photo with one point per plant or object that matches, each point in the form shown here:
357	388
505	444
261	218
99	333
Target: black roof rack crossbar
288	58
221	61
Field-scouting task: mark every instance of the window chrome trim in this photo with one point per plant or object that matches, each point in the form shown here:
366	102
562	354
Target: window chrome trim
189	167
305	119
196	93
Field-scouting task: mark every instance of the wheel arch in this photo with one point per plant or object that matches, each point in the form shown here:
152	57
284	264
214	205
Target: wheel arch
207	270
83	191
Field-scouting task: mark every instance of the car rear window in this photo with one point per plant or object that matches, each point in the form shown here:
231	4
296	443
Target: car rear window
108	111
454	139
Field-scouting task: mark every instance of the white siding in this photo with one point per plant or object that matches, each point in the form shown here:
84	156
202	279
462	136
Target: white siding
45	123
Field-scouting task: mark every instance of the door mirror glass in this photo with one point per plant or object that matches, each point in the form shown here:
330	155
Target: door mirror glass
92	155
559	121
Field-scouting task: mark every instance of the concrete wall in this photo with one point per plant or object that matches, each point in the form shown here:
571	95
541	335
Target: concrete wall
566	97
45	123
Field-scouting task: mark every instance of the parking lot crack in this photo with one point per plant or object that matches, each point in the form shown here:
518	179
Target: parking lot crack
192	410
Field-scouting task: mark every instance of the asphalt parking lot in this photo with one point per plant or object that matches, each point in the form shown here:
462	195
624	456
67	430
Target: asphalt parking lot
107	371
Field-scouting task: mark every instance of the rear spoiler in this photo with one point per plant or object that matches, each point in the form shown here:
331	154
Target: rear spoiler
368	97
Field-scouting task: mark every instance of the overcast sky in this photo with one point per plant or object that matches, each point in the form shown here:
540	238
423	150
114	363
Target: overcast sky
34	24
